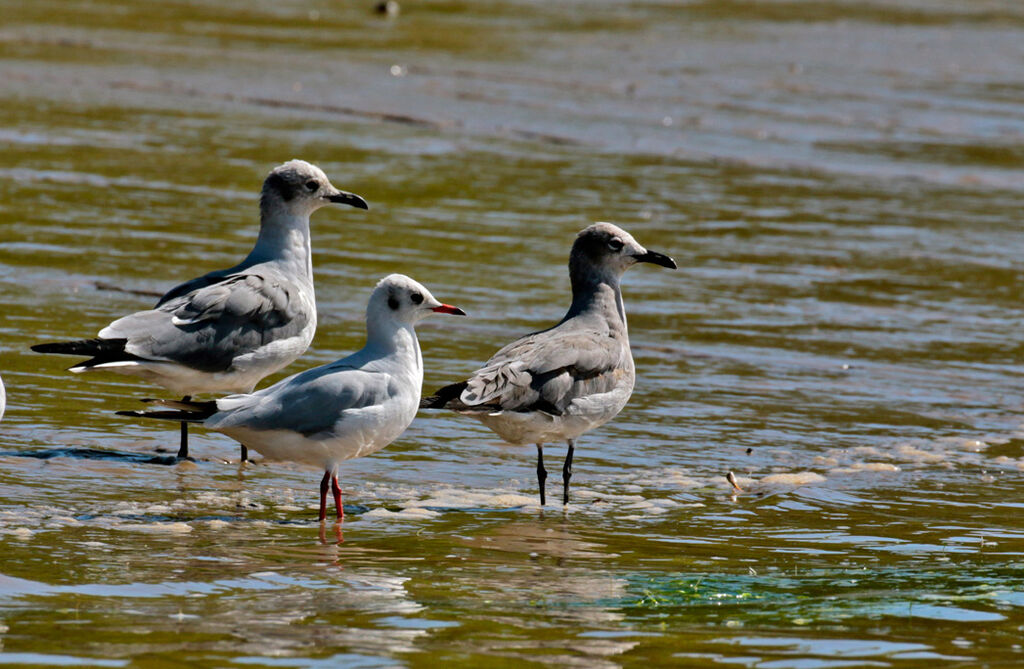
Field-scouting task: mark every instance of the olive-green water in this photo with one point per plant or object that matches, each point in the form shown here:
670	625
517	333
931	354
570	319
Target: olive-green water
841	183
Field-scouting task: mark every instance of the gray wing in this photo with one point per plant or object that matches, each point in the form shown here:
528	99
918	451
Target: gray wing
547	370
208	328
310	403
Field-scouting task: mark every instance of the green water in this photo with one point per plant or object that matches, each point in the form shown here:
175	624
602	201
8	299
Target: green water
840	183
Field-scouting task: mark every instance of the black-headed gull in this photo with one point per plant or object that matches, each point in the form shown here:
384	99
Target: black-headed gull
346	409
226	330
558	383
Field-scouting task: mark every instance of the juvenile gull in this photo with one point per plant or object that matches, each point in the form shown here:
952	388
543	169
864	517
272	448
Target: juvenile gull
346	409
558	383
226	330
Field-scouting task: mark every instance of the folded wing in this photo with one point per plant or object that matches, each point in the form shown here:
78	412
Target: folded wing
546	371
207	328
314	403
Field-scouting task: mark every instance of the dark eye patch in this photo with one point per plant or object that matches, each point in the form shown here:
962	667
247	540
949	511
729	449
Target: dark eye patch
393	302
416	298
277	183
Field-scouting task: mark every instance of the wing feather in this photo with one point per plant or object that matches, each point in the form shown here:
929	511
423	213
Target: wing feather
313	402
547	370
210	326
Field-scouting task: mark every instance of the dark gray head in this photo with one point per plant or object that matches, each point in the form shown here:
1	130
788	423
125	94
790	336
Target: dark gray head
302	188
605	251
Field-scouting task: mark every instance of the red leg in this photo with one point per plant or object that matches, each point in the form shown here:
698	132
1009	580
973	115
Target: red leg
336	489
324	482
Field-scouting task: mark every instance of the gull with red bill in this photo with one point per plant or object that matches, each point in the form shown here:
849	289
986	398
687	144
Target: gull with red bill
349	408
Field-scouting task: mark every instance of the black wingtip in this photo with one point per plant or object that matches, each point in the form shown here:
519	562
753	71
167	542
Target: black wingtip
104	350
441	398
53	347
170	414
432	402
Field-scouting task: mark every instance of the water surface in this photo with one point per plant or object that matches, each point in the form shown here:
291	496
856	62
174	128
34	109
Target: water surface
840	183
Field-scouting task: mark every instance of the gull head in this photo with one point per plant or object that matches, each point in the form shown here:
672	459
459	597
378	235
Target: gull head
608	250
399	298
302	188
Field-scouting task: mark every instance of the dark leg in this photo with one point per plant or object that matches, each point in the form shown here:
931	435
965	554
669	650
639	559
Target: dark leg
325	483
245	454
336	490
183	447
567	472
542	474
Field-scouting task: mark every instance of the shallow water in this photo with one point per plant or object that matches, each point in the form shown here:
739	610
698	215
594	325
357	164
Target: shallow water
841	184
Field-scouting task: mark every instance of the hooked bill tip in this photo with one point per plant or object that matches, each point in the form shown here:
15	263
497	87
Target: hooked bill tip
351	199
656	258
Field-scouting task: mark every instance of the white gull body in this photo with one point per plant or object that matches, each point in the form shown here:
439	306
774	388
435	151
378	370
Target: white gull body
226	330
556	384
349	408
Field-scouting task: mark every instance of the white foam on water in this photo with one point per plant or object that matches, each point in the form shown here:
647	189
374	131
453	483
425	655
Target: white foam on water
411	513
19	532
455	498
911	453
865	467
636	493
169	528
792	479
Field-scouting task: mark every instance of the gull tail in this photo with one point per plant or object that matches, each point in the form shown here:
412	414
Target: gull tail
445	398
102	351
181	411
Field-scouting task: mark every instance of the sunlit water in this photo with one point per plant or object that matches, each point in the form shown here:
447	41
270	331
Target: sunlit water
841	184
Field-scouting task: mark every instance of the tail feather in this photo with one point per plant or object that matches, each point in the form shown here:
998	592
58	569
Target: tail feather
101	351
445	398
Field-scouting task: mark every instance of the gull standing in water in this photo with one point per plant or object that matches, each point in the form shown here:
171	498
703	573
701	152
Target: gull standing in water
558	383
346	409
226	330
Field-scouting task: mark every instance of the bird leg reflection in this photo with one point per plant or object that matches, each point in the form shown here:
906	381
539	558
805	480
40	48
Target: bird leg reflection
183	446
338	536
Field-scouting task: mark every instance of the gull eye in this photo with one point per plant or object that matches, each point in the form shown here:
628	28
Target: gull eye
416	298
615	244
312	186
